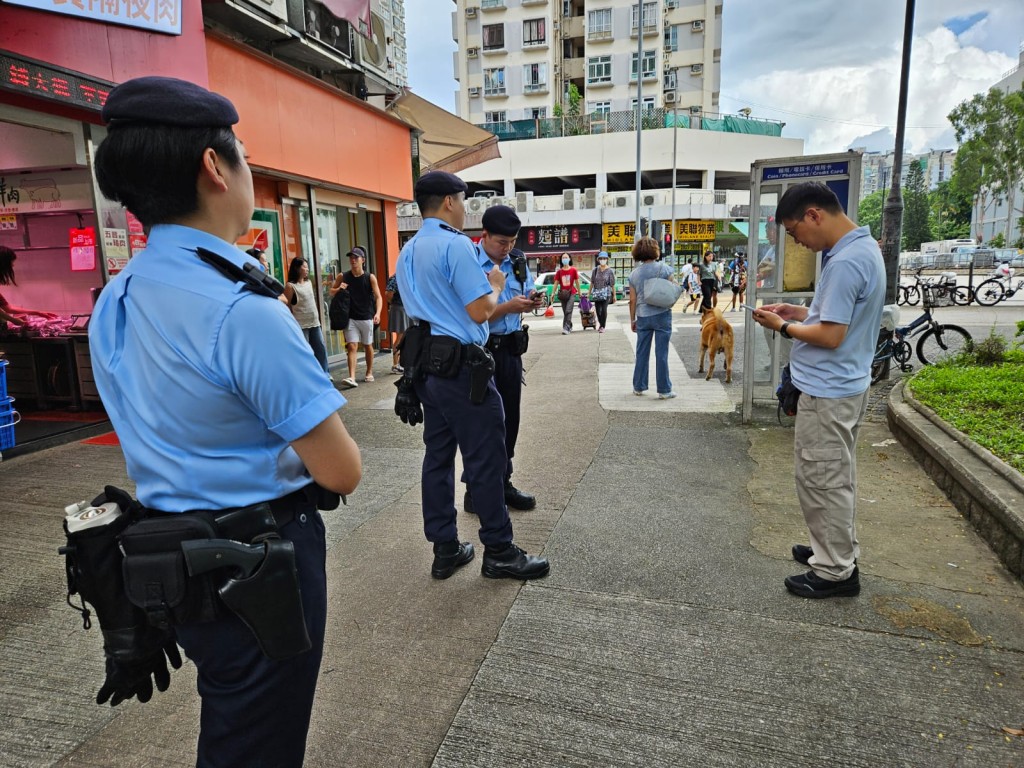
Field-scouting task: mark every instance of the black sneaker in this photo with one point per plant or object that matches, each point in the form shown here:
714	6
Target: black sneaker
802	553
813	586
516	499
449	555
467	503
513	563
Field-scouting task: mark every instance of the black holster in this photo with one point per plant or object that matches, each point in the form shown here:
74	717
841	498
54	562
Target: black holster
443	356
413	347
520	340
481	368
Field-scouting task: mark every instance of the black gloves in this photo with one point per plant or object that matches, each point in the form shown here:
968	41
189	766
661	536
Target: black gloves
407	404
133	656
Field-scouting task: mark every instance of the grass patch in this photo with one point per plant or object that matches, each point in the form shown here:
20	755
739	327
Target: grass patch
982	401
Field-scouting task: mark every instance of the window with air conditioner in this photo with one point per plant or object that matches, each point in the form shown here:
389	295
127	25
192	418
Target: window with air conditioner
650	18
534	32
650	66
599	69
670	97
535	77
599	24
494	37
471	13
474	92
670	79
494	81
472	53
672	38
697	26
671	5
696	69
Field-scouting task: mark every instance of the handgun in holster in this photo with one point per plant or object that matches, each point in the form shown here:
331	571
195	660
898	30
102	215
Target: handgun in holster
481	369
262	589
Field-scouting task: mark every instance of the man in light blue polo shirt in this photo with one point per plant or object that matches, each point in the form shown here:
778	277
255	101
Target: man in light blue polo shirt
219	405
441	282
833	345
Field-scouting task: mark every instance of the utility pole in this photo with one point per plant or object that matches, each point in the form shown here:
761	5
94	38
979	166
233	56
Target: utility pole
672	230
639	100
892	212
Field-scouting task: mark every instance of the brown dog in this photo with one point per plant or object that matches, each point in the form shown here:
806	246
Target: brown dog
715	336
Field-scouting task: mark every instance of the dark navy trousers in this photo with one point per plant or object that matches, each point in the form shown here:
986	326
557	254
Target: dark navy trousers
508	378
451	421
255	711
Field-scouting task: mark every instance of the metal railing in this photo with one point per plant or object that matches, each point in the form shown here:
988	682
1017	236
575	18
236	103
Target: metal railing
622	122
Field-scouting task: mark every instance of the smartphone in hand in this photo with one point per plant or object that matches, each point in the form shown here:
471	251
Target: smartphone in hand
748	307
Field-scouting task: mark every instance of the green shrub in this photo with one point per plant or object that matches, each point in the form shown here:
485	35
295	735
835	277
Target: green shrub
991	350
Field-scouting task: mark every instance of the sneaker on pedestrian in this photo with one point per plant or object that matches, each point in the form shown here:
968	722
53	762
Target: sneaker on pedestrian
601	329
638	393
397	369
350	382
510	562
802	553
565	331
666	395
811	585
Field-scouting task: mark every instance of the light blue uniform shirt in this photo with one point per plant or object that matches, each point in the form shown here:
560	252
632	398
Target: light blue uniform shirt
206	383
851	291
438	275
513	321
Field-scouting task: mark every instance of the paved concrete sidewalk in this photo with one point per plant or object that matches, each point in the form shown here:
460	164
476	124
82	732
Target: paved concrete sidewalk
662	637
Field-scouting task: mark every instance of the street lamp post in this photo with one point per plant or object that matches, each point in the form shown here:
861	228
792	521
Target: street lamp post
639	100
892	212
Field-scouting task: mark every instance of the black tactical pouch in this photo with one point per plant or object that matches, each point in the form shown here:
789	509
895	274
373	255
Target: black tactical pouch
155	576
444	356
481	369
521	341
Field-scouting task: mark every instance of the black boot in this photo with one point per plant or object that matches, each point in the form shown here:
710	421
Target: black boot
510	562
449	555
516	499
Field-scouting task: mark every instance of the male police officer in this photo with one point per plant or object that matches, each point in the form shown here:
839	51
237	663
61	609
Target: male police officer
442	284
219	406
508	339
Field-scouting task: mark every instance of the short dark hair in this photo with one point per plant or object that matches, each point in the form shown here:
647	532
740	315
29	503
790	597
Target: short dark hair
800	197
646	249
294	268
429	203
152	169
7	257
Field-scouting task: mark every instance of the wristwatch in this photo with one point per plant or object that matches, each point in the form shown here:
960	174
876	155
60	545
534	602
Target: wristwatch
784	330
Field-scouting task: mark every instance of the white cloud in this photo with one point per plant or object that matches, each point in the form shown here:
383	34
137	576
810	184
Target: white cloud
842	82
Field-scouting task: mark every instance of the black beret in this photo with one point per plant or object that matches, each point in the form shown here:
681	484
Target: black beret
440	183
501	220
168	101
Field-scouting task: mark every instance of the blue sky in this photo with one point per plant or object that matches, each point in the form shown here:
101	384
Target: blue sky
836	86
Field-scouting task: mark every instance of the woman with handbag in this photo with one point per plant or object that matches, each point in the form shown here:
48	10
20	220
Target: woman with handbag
567	284
709	281
650	320
602	289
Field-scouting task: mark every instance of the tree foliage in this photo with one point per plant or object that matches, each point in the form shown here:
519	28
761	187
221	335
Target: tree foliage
951	205
989	128
869	212
916	229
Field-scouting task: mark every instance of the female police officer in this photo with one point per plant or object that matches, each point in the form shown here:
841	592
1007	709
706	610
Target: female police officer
216	397
442	283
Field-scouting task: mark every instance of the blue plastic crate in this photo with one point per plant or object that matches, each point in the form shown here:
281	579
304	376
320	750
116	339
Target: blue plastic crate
8	418
3	379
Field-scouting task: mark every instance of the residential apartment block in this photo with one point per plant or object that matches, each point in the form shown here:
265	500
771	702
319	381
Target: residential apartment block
876	171
517	58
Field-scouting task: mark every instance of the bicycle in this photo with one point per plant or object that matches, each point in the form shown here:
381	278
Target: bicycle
911	294
939	341
998	287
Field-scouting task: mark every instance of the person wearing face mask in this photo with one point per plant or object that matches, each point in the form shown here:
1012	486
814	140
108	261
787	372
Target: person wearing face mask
602	289
567	283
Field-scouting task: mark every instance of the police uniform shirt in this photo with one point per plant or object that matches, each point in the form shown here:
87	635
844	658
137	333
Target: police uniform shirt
438	274
513	321
205	382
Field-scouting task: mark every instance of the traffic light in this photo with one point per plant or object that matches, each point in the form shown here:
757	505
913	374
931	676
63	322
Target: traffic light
643	228
656	230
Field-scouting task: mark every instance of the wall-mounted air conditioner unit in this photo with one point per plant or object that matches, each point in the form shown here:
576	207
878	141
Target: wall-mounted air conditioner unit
472	53
590	197
524	202
471	13
694	110
697	26
476	204
620	202
474	92
650	200
408	209
696	69
670	97
570	199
